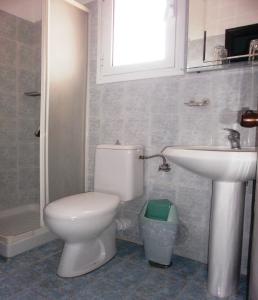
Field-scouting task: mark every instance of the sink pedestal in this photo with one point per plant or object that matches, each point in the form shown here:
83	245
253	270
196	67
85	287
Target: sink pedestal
225	242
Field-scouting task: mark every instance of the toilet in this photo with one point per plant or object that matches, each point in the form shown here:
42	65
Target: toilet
86	222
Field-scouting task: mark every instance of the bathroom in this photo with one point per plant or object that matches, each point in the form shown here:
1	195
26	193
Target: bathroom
189	107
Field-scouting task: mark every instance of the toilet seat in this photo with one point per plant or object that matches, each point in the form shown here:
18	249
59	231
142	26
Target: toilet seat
79	206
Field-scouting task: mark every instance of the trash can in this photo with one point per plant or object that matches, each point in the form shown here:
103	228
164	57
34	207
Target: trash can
158	225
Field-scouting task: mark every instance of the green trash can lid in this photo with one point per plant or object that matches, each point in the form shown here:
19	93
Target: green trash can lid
158	209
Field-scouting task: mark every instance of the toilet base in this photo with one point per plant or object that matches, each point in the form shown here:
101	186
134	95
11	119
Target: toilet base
81	258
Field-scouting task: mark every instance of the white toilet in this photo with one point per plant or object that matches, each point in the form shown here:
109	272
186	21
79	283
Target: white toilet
86	222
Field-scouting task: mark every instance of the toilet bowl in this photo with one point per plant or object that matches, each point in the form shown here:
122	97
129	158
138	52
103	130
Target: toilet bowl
86	222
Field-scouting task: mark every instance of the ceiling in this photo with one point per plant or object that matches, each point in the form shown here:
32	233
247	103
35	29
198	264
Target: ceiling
84	1
29	10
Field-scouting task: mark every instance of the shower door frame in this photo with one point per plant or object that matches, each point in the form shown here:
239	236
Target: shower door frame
44	117
43	110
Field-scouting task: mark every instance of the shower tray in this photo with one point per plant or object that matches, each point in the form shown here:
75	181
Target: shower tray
20	230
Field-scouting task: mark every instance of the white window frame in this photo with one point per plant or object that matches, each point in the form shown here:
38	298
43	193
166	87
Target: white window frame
173	65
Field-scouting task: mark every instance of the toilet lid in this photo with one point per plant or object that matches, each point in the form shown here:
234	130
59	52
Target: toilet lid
80	205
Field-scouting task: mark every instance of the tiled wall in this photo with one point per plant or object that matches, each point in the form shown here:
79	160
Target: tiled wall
19	115
152	113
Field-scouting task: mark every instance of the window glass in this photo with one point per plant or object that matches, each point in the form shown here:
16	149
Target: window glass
139	32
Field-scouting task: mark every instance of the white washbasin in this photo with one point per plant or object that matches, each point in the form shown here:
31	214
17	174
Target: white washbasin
229	169
217	163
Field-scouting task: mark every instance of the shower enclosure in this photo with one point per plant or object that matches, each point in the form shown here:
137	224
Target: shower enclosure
43	63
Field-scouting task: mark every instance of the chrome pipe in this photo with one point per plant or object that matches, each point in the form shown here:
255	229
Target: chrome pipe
164	166
153	156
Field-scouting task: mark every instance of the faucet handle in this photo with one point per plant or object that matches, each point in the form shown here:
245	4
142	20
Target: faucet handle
234	138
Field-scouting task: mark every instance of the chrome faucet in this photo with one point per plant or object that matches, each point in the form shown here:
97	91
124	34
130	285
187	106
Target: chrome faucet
234	138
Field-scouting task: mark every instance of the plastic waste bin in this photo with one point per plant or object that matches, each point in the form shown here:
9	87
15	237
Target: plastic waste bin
159	225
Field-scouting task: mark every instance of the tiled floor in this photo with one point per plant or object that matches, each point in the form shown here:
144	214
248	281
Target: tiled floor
128	276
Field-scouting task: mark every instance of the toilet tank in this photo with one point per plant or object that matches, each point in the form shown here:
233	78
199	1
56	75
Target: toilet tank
119	171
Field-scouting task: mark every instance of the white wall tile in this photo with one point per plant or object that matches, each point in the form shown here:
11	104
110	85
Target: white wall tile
152	112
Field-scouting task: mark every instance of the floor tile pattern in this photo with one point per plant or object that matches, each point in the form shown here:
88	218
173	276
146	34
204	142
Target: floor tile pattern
128	276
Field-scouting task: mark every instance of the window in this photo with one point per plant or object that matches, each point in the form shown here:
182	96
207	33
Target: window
140	39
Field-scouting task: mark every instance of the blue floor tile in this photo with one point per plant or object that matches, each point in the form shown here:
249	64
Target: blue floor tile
2	275
28	295
128	276
202	274
198	290
104	289
125	249
103	271
30	257
184	266
158	286
138	255
49	249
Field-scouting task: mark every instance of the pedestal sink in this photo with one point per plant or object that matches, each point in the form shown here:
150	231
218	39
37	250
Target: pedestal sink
229	169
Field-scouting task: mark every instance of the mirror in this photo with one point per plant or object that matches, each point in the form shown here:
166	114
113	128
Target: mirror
220	33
